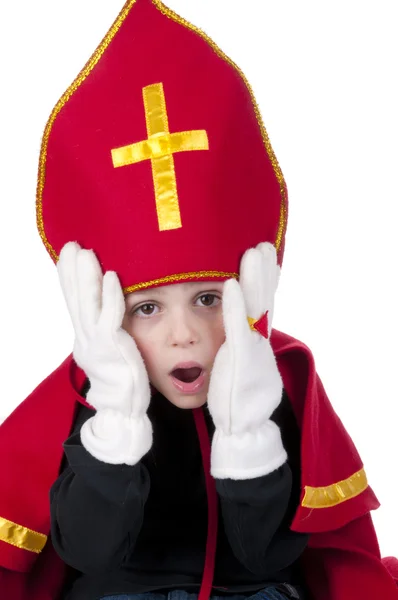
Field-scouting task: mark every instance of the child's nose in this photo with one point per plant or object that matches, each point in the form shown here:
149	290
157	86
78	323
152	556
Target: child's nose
183	332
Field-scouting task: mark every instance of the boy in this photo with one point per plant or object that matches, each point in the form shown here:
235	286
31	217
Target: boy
156	158
143	528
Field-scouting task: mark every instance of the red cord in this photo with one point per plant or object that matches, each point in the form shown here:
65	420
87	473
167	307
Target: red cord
212	506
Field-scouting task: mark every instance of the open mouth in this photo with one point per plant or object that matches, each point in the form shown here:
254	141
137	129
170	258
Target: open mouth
189	379
187	375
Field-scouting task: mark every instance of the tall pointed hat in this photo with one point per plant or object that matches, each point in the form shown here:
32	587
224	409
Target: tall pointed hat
156	157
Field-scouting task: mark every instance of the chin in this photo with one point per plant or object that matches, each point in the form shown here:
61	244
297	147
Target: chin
187	402
179	399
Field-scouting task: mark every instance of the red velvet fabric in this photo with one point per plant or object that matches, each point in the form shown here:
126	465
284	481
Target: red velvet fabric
343	554
345	564
231	191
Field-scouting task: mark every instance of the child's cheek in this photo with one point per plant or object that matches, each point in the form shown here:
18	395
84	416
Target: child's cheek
215	329
149	350
138	330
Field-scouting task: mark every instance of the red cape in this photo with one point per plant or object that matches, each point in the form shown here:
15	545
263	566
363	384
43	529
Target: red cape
342	560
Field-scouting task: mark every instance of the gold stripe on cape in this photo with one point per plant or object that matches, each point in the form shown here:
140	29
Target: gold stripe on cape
336	493
21	537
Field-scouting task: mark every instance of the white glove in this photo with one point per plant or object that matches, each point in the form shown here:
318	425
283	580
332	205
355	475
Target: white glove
120	431
245	385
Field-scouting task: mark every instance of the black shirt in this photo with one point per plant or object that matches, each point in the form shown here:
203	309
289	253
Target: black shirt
130	529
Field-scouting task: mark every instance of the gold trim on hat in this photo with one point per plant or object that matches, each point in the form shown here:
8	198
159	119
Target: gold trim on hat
84	74
21	537
180	277
336	493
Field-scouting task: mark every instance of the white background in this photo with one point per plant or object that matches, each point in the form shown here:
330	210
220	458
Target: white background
325	76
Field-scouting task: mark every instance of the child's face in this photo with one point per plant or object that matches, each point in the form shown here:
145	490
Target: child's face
173	326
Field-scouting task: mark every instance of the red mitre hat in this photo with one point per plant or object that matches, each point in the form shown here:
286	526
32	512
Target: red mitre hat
156	157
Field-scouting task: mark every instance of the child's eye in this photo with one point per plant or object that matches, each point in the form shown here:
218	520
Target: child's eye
145	310
208	300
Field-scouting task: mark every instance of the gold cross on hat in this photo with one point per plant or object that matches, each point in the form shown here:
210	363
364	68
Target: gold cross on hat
159	149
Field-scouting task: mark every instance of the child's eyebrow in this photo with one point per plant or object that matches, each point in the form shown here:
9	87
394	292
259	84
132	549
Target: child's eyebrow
149	291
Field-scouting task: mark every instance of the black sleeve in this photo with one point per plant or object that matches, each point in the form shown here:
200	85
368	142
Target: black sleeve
257	513
96	508
253	512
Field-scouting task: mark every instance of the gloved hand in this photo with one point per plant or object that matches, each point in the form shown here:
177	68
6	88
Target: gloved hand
245	385
120	431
